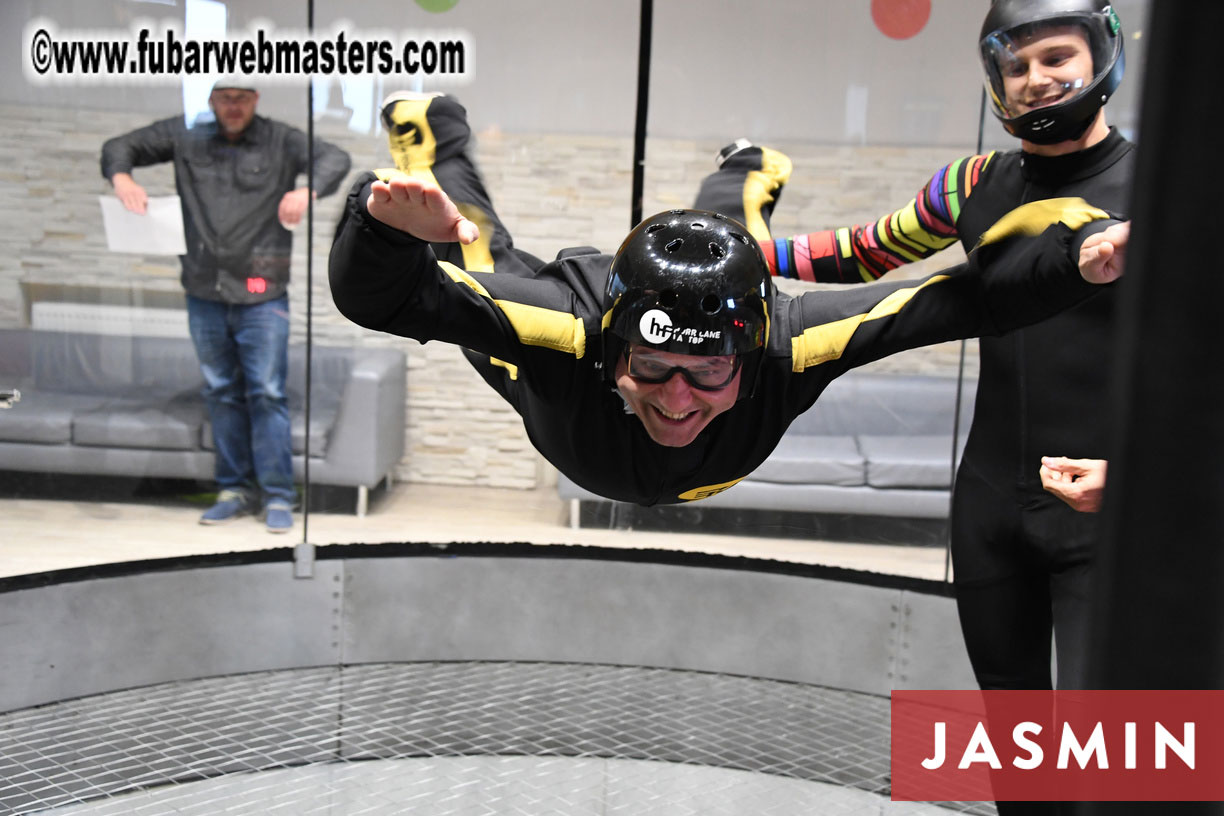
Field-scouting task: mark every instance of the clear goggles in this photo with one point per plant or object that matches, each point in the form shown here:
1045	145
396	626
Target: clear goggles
707	374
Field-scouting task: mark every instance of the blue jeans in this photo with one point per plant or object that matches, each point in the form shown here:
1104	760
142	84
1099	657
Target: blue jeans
244	355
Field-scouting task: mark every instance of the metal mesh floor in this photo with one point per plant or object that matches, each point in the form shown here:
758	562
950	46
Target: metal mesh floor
456	738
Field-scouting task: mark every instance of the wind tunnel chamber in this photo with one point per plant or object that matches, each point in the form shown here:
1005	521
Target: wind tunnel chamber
463	678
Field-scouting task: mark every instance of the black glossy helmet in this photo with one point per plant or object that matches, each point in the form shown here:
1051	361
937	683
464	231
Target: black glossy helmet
1010	22
689	282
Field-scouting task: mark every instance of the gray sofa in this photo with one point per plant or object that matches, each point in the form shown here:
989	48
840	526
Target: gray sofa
874	444
98	404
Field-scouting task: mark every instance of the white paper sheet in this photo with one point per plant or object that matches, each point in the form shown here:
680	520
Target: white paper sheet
158	232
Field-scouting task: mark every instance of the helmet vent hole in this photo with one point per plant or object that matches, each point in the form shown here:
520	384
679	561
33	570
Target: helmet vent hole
698	225
674	244
739	236
668	298
710	304
717	251
653	228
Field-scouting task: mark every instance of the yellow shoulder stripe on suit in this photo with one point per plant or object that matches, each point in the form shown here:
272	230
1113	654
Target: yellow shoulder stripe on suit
534	325
826	342
1033	218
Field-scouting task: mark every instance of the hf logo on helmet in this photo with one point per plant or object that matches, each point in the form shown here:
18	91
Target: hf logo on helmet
656	327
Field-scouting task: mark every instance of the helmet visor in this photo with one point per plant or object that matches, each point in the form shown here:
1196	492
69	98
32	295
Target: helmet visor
1077	52
1038	66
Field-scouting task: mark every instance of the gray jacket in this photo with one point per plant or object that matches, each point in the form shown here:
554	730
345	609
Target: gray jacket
237	251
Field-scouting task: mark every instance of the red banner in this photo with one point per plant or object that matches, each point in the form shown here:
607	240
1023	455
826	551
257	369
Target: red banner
1138	746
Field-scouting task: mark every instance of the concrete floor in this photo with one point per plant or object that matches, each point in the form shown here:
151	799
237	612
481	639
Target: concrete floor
44	530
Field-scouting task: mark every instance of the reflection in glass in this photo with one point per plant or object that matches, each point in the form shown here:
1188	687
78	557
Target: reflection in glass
100	335
865	119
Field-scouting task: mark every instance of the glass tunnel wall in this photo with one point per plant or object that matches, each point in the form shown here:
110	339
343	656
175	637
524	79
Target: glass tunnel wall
868	103
110	438
111	449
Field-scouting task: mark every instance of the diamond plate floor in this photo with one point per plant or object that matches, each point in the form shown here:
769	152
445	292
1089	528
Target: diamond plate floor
456	738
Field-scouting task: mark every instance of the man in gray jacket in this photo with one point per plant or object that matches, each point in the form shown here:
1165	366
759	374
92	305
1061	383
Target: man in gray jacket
237	180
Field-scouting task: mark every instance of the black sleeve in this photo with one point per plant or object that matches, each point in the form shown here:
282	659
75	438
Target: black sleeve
1091	229
387	280
331	164
151	144
363	258
1026	280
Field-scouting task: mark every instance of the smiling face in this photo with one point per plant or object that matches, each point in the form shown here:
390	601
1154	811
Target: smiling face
1050	65
674	412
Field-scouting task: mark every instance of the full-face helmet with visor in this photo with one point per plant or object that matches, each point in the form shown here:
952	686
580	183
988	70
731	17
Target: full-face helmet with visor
1011	24
689	282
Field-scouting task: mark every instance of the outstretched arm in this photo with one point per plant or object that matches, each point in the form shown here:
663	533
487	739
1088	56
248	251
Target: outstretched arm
421	209
1012	282
864	252
381	263
385	276
1078	482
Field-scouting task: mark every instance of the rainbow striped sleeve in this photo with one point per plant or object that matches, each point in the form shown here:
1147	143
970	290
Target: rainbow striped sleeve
863	253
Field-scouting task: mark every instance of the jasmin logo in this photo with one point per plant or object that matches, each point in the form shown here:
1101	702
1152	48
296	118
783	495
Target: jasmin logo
1037	746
